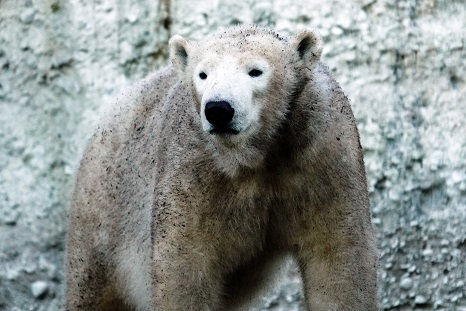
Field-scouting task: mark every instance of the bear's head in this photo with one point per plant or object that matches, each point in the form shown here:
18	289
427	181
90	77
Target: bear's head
243	81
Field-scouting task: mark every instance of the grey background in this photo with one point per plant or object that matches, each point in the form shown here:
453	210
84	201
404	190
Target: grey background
402	64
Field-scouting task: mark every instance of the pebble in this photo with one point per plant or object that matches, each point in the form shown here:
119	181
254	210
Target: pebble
337	31
406	283
427	252
39	289
28	16
460	284
10	216
420	300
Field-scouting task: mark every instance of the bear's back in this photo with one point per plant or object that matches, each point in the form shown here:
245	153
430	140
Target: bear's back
119	153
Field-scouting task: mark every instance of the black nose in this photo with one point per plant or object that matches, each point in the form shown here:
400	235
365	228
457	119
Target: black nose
219	113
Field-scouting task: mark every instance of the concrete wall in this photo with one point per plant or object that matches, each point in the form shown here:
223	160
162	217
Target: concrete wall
402	63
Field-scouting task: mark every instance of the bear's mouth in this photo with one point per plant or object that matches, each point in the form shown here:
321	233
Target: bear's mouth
223	131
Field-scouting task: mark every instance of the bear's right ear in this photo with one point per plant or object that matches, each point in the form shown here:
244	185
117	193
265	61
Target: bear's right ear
308	45
179	51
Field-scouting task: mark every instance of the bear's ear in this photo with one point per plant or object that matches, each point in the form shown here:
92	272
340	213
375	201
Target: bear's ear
308	44
179	51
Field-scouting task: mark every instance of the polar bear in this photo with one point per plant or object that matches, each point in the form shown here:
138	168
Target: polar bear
202	180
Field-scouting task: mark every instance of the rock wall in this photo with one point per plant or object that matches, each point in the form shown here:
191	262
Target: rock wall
402	63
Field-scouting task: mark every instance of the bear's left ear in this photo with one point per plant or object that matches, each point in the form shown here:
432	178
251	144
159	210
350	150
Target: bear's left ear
308	44
179	51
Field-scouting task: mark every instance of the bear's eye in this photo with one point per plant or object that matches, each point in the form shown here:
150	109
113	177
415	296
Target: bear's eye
255	72
203	75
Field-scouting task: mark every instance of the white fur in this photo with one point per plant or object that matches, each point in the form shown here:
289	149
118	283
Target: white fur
228	80
134	268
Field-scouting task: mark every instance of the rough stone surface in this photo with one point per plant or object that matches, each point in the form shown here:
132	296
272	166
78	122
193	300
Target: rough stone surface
39	289
402	63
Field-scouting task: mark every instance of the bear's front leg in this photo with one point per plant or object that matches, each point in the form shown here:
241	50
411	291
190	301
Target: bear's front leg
338	261
184	276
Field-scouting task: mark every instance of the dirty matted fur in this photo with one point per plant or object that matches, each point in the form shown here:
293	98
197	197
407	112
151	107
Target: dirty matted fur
167	215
